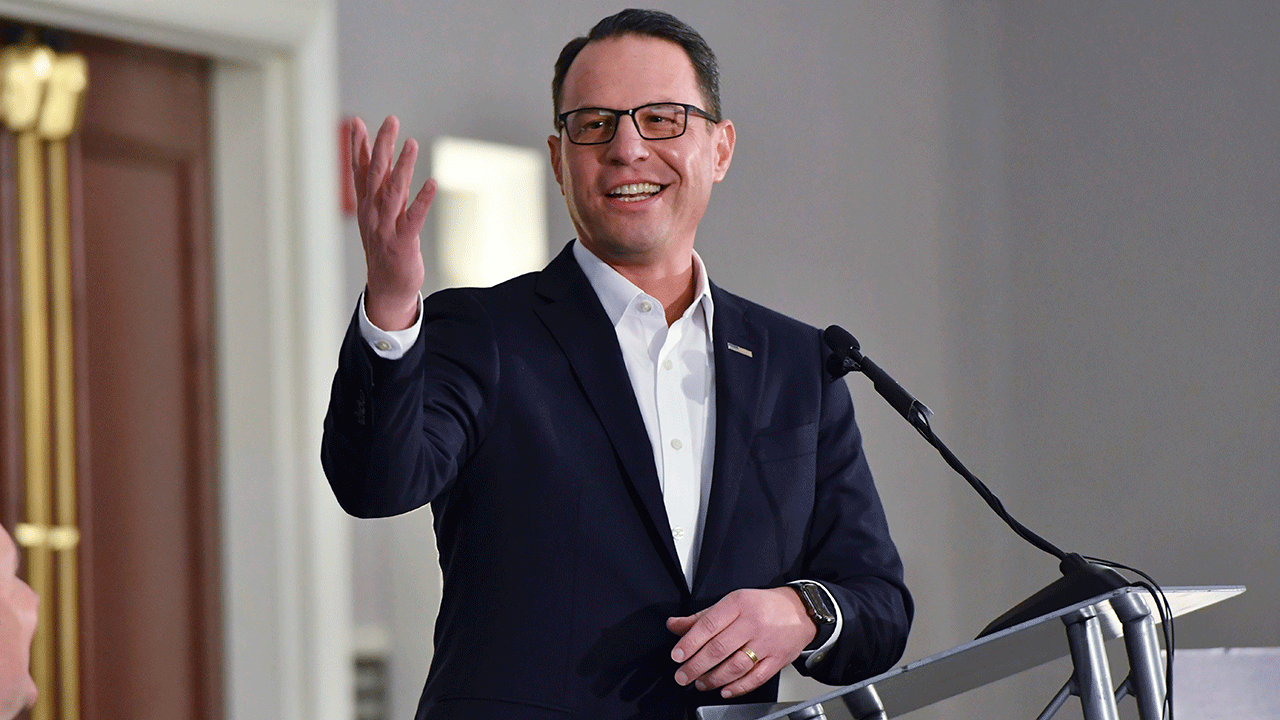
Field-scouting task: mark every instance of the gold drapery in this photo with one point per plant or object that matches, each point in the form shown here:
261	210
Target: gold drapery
41	94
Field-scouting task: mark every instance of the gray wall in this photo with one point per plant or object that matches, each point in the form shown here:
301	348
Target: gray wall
1053	222
1142	167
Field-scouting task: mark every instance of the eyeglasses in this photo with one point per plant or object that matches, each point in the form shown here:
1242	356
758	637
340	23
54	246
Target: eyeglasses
655	121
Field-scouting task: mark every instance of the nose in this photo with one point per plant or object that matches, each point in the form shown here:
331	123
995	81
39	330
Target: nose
627	146
26	604
30	693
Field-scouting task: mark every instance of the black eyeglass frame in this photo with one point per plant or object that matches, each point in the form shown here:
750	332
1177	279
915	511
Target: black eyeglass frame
617	118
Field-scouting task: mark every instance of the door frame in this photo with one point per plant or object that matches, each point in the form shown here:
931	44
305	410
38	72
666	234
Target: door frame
285	544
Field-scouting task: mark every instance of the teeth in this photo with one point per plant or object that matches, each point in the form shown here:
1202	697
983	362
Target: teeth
635	191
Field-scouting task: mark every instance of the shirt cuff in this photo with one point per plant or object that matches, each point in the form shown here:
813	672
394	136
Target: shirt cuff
818	654
390	345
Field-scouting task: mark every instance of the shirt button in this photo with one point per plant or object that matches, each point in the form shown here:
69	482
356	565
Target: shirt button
677	444
677	533
645	306
383	345
666	364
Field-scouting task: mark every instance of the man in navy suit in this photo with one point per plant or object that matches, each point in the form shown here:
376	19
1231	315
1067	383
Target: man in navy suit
647	495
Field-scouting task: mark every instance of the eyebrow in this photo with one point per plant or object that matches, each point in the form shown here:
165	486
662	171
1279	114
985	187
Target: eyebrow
650	102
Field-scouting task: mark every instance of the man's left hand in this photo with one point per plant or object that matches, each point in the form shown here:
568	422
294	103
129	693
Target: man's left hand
771	623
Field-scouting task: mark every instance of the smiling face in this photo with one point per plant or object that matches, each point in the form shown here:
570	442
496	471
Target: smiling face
636	202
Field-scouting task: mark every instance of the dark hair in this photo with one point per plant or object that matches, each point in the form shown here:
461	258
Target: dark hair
651	23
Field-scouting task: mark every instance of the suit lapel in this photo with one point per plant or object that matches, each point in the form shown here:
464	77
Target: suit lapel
741	350
575	318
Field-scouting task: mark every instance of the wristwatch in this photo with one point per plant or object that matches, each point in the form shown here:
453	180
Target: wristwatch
823	615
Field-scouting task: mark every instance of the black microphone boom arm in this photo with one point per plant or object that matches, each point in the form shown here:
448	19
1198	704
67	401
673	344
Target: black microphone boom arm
1082	580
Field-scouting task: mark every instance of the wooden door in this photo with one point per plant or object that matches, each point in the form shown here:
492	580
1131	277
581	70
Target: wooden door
148	611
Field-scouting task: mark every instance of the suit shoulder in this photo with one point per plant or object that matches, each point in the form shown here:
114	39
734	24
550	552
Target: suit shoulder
774	321
510	292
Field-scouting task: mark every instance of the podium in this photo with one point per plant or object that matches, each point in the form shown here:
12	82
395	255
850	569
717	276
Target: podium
1079	630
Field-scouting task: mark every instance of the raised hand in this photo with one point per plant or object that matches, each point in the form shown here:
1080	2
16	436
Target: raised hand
772	624
389	228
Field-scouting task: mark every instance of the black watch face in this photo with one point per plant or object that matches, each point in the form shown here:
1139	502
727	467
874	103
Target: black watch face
816	604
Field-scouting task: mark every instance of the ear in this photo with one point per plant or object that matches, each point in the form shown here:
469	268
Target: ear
553	144
725	136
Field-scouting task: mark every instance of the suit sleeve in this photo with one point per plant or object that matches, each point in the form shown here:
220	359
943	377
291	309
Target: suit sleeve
851	554
397	431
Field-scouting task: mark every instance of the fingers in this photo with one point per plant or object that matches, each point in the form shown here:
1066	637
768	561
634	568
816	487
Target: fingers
710	647
383	190
719	661
739	674
359	156
416	214
681	625
380	158
395	191
756	676
389	223
703	628
712	644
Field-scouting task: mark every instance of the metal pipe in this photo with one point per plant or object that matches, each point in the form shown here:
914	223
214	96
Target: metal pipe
1146	669
1092	673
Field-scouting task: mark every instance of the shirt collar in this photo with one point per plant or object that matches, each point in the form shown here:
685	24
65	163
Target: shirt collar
616	293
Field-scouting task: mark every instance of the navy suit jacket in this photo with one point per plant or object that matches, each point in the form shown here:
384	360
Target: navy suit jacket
513	415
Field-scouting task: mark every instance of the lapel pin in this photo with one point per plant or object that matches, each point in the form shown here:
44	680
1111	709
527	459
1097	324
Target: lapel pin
739	350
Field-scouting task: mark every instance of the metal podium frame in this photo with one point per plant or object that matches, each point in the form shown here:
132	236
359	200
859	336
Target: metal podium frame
1128	612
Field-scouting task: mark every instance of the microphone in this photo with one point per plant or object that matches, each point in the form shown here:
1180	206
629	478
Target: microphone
846	358
845	348
1081	579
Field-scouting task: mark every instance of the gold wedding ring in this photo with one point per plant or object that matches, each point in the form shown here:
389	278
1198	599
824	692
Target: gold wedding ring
754	658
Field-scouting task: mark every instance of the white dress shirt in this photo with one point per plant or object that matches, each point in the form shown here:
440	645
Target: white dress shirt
672	372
